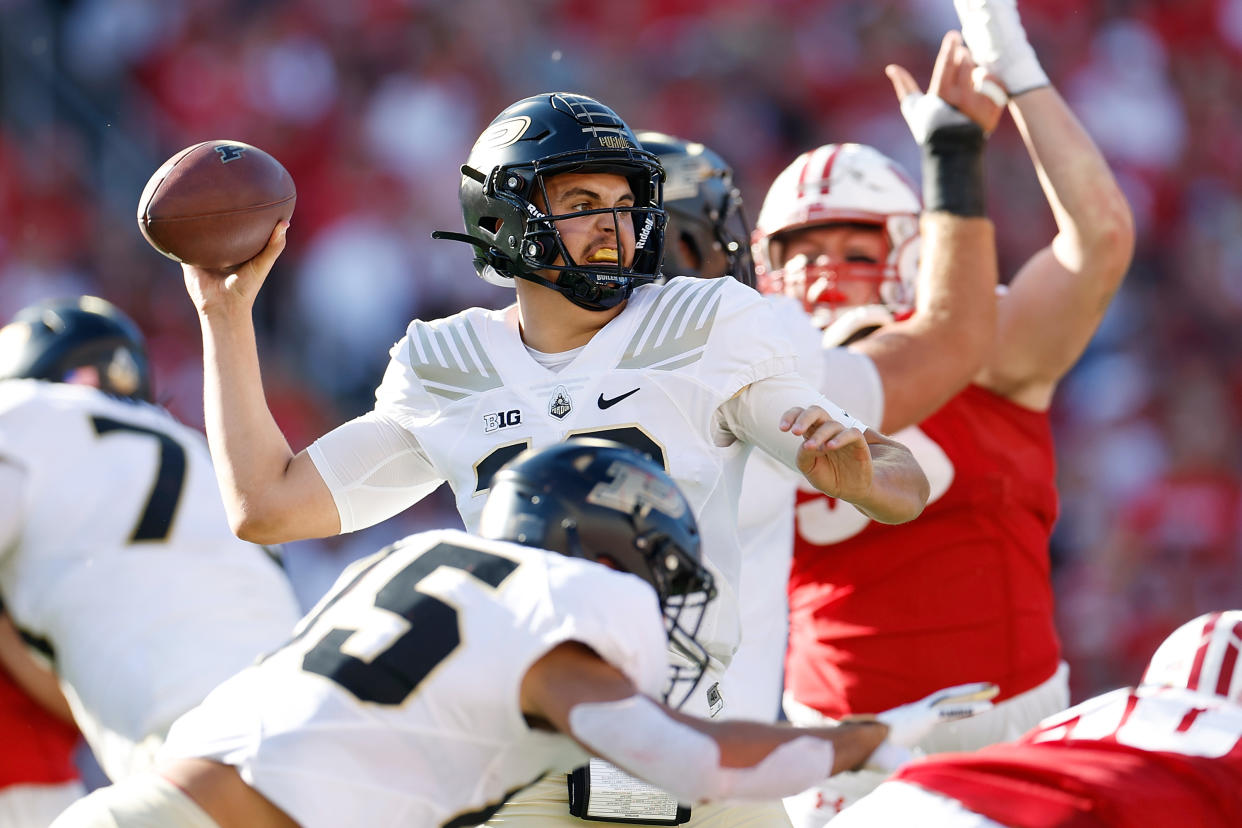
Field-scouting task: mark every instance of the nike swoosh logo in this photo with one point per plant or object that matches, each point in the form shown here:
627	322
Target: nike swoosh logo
603	403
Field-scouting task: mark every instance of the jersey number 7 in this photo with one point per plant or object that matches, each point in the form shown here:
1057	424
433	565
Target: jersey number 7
157	515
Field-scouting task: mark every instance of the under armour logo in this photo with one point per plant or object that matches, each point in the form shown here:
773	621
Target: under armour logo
230	152
822	804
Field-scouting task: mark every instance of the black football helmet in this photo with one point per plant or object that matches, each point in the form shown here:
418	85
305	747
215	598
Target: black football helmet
602	501
48	340
707	234
532	140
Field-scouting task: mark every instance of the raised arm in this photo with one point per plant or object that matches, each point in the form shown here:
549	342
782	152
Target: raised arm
1057	299
926	359
271	494
923	361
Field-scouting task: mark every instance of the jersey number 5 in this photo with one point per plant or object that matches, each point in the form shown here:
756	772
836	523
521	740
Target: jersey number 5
391	674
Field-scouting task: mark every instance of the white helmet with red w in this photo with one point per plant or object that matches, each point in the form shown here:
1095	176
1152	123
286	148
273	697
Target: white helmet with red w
839	183
1202	655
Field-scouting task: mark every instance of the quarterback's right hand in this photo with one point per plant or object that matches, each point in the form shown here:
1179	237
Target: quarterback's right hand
212	291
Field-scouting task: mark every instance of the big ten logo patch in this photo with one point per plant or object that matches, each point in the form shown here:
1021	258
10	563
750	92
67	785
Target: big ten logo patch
501	419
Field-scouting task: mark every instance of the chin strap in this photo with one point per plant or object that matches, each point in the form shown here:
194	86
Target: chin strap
572	285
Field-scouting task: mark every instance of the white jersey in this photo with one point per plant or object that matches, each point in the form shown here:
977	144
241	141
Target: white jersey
397	701
654	378
120	557
766	519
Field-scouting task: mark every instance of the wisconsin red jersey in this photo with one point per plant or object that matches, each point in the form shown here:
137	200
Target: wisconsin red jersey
883	614
38	747
1149	756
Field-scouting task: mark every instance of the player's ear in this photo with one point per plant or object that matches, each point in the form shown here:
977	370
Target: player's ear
690	252
83	375
608	562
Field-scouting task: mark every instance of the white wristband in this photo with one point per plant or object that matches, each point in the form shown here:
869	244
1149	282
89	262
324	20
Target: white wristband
993	31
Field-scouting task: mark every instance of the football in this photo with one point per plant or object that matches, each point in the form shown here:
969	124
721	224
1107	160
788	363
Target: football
214	205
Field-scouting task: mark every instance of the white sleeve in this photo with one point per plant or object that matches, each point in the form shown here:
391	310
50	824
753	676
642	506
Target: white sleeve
852	381
374	468
12	479
753	416
638	736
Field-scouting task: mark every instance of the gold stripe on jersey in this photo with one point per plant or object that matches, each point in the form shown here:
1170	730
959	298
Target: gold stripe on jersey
448	365
675	330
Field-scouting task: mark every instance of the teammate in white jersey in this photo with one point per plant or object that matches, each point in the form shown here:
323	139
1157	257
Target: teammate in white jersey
448	670
115	552
919	361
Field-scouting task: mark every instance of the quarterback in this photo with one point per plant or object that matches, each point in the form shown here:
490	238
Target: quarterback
561	203
450	669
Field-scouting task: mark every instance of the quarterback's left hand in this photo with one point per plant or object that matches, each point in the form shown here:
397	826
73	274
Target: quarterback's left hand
834	459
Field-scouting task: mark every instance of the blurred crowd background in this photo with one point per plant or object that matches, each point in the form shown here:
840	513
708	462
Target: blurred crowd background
373	104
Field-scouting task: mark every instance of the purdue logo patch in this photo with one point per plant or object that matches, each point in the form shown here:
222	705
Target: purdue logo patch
503	134
561	403
230	152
